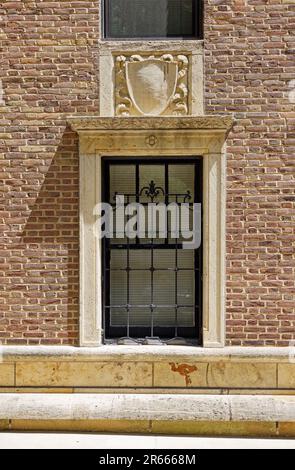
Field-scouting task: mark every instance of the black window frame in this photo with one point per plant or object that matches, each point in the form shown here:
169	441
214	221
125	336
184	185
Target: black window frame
191	334
198	13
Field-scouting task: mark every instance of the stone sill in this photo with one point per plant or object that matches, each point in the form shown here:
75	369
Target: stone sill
147	354
148	45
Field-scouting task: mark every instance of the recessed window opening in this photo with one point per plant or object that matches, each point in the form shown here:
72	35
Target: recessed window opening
152	286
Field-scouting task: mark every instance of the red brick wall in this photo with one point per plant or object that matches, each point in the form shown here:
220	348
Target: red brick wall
249	63
49	70
48	60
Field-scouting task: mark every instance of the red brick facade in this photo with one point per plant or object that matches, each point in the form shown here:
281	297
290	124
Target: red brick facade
49	70
249	64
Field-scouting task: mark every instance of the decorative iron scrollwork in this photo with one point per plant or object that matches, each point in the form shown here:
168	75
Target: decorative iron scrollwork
152	191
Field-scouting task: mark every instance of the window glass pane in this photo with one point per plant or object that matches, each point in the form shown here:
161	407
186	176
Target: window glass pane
164	288
140	259
140	294
164	259
186	316
122	181
147	175
118	283
167	317
140	316
150	18
118	286
185	288
181	180
164	316
118	317
118	259
181	190
185	259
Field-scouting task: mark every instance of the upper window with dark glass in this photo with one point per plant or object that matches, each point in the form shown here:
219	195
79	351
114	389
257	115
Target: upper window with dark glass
157	19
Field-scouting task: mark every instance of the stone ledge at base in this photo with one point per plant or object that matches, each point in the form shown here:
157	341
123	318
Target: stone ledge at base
147	407
201	415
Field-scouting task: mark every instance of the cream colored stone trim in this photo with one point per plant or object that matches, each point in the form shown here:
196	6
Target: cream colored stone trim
90	329
134	46
200	136
147	407
180	354
91	125
108	50
214	180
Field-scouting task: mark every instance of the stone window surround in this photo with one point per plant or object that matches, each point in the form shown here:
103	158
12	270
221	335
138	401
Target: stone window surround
181	136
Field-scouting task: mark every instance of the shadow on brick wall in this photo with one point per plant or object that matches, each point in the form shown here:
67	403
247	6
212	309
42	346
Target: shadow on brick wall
50	241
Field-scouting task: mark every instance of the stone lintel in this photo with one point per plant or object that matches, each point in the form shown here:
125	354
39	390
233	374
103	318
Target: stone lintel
95	123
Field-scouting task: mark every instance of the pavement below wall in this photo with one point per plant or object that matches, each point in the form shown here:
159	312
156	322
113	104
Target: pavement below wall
106	441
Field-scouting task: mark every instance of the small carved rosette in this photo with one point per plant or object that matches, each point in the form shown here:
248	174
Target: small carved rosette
151	85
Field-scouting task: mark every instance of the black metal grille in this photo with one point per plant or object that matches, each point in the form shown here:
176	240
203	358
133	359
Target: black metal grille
159	267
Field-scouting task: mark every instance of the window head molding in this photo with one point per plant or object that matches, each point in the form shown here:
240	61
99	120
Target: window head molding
211	123
165	136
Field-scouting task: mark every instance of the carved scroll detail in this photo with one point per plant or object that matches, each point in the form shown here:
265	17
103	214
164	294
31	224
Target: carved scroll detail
145	86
